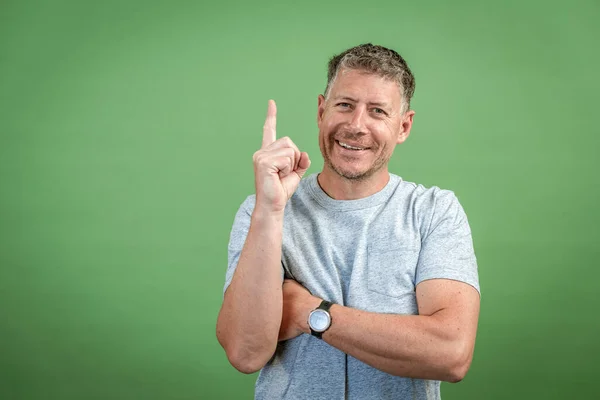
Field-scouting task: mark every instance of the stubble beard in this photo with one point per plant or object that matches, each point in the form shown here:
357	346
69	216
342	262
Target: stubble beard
355	176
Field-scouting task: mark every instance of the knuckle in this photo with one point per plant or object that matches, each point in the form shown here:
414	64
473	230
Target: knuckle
262	161
259	158
289	152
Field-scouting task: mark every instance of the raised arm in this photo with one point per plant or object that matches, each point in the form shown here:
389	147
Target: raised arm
250	317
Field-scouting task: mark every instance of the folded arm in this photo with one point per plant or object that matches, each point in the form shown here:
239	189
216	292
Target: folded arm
436	344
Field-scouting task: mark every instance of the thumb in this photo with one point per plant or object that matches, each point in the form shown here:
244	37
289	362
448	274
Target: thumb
303	164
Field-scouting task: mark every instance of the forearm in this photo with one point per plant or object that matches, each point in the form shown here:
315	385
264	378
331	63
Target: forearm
250	317
417	346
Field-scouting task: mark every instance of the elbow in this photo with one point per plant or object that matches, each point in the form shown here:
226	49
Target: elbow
457	374
244	363
458	368
247	361
246	357
243	359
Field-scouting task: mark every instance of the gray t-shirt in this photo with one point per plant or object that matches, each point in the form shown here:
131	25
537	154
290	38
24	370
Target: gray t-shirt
368	254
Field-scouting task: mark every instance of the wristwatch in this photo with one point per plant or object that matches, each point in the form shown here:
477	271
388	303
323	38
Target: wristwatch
319	319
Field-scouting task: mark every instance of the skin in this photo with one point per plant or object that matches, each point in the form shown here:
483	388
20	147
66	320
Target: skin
363	111
250	317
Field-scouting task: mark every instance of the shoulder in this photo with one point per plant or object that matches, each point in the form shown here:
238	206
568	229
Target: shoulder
430	207
246	208
424	198
249	203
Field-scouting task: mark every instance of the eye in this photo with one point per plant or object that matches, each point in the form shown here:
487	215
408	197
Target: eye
343	105
379	111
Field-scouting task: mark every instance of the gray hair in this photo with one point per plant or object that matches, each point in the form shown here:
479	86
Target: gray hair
377	60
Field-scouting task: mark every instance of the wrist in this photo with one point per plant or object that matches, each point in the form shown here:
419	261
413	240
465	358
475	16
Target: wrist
265	215
264	206
311	304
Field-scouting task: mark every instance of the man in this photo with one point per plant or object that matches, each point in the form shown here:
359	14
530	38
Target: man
351	283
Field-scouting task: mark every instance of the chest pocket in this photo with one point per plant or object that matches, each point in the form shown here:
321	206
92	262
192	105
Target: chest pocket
391	272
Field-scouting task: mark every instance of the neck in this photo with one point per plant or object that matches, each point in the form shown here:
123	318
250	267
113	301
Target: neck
340	188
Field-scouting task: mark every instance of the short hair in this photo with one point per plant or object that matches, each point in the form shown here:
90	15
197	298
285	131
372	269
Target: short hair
376	60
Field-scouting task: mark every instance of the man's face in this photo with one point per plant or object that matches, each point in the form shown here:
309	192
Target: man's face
360	124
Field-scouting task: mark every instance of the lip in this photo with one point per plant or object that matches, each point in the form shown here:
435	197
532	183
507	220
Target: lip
353	144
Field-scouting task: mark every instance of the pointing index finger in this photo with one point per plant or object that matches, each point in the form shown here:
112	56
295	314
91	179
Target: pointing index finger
269	129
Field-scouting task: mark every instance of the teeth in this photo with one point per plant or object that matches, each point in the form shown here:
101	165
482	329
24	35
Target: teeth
347	146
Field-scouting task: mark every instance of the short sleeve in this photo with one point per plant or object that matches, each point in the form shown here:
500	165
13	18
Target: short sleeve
237	238
447	248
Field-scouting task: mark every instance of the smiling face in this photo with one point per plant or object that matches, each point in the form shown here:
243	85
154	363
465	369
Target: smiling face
360	124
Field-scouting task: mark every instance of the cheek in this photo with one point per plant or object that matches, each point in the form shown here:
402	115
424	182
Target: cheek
331	121
322	139
327	130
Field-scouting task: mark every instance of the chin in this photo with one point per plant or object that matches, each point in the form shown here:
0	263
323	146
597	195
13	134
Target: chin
352	174
359	172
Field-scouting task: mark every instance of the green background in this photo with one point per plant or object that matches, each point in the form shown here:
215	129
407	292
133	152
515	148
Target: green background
127	132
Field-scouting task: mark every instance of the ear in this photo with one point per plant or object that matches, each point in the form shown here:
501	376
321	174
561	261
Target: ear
320	108
407	122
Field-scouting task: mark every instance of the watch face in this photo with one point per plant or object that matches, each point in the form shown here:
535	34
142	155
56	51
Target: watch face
319	320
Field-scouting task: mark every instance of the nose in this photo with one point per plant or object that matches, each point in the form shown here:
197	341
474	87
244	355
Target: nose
358	120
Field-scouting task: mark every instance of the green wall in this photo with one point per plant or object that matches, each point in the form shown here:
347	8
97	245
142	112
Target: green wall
126	136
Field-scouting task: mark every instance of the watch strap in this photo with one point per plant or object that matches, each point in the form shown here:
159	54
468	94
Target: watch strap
325	305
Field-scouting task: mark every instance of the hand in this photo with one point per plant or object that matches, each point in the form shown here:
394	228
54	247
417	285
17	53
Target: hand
278	167
297	304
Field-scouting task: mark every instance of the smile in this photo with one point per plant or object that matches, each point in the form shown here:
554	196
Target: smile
347	146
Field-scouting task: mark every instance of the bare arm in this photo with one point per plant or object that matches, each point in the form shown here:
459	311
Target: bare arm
436	344
250	317
251	312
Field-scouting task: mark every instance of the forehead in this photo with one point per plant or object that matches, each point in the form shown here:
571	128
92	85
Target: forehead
365	86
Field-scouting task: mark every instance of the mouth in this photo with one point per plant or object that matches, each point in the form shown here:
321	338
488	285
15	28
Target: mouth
350	147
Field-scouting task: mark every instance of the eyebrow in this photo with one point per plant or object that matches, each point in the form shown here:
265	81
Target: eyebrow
371	103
